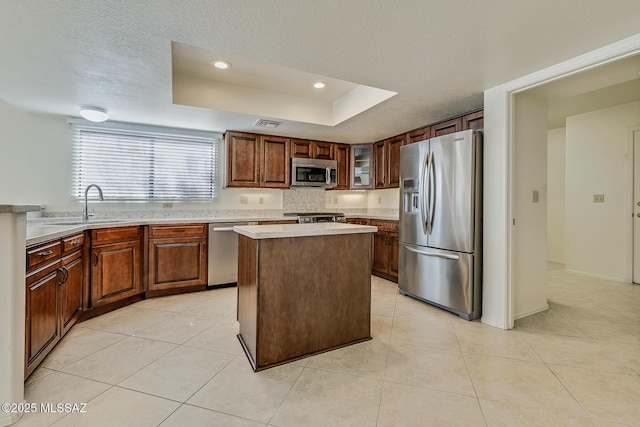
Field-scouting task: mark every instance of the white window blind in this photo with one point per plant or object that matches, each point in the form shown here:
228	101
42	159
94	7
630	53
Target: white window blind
134	162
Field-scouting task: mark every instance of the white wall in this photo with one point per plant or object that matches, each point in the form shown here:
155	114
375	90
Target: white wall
530	231
384	199
598	241
556	158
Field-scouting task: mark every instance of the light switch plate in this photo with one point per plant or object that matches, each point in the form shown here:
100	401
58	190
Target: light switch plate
598	198
244	200
536	196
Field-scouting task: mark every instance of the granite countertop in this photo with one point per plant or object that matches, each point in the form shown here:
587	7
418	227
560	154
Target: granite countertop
19	208
39	231
384	217
275	231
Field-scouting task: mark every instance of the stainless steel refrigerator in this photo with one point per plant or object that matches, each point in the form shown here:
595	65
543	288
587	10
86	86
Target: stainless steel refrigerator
440	259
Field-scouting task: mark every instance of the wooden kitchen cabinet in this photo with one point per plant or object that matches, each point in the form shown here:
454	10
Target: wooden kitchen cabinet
446	127
473	120
322	150
379	154
343	157
385	249
177	258
257	160
274	162
359	221
362	167
387	155
55	288
116	264
418	135
301	148
243	159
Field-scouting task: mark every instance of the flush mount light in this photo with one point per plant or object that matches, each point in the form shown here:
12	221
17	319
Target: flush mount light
218	63
319	85
94	114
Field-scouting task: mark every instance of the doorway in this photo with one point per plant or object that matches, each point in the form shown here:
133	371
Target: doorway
636	206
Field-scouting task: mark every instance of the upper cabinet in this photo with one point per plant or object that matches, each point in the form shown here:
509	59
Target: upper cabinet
362	167
473	120
257	160
243	159
387	155
305	149
446	127
418	135
301	148
342	152
275	164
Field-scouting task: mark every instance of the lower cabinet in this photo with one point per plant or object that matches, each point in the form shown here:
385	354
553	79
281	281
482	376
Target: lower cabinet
385	249
116	264
55	288
177	257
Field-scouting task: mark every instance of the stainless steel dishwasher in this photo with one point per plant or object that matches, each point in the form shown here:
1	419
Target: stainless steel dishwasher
223	254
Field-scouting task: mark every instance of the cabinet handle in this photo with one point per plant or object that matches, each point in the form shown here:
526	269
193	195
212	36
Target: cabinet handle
75	242
66	274
60	281
45	253
95	257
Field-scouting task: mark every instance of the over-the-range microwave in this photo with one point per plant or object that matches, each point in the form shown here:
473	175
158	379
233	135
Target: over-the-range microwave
313	173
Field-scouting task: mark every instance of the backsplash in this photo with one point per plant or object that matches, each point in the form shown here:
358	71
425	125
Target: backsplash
304	200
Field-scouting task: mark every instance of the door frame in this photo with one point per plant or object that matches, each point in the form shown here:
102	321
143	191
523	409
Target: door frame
631	223
499	209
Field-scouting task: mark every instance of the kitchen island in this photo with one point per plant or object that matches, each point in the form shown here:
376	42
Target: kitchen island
302	289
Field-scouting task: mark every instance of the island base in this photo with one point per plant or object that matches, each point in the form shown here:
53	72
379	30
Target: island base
301	296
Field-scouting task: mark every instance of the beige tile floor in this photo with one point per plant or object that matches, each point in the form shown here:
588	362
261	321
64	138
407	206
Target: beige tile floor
175	361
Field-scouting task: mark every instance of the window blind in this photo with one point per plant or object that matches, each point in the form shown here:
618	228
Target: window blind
134	162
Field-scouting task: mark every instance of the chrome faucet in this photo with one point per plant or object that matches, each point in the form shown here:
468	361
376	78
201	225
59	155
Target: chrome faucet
85	212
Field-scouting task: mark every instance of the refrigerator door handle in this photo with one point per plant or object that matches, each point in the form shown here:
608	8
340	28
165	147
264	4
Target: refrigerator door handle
424	219
432	190
428	192
445	256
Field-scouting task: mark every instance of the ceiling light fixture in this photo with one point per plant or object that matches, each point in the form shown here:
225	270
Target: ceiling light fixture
218	63
319	85
94	114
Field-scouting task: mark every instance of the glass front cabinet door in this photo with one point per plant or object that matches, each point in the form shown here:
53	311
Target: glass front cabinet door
362	163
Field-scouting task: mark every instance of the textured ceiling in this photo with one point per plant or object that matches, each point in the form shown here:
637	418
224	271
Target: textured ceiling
438	55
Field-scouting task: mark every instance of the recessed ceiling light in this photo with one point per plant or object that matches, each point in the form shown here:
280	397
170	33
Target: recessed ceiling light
319	85
94	114
218	63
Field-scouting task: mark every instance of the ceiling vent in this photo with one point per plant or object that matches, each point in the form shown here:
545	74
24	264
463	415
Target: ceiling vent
267	123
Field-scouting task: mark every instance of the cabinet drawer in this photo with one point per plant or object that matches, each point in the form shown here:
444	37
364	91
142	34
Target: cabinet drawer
117	234
72	243
182	230
359	221
39	255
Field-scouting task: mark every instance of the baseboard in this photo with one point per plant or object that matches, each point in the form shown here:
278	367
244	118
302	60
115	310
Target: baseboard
556	261
10	418
493	323
530	312
597	276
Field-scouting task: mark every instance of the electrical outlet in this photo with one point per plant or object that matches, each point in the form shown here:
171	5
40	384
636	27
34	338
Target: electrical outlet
244	200
335	200
167	205
261	200
379	200
598	198
536	196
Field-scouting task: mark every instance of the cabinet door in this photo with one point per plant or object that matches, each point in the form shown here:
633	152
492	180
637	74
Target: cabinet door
393	255
473	120
301	148
446	127
243	154
322	150
393	161
344	168
42	329
380	262
115	272
274	154
418	135
361	167
380	163
71	290
177	263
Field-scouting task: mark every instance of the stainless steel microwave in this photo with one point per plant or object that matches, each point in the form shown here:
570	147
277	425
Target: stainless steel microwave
314	173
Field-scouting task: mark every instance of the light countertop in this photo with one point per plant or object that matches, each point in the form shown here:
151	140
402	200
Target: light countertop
275	231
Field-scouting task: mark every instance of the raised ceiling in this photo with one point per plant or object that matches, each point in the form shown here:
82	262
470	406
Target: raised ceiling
439	56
